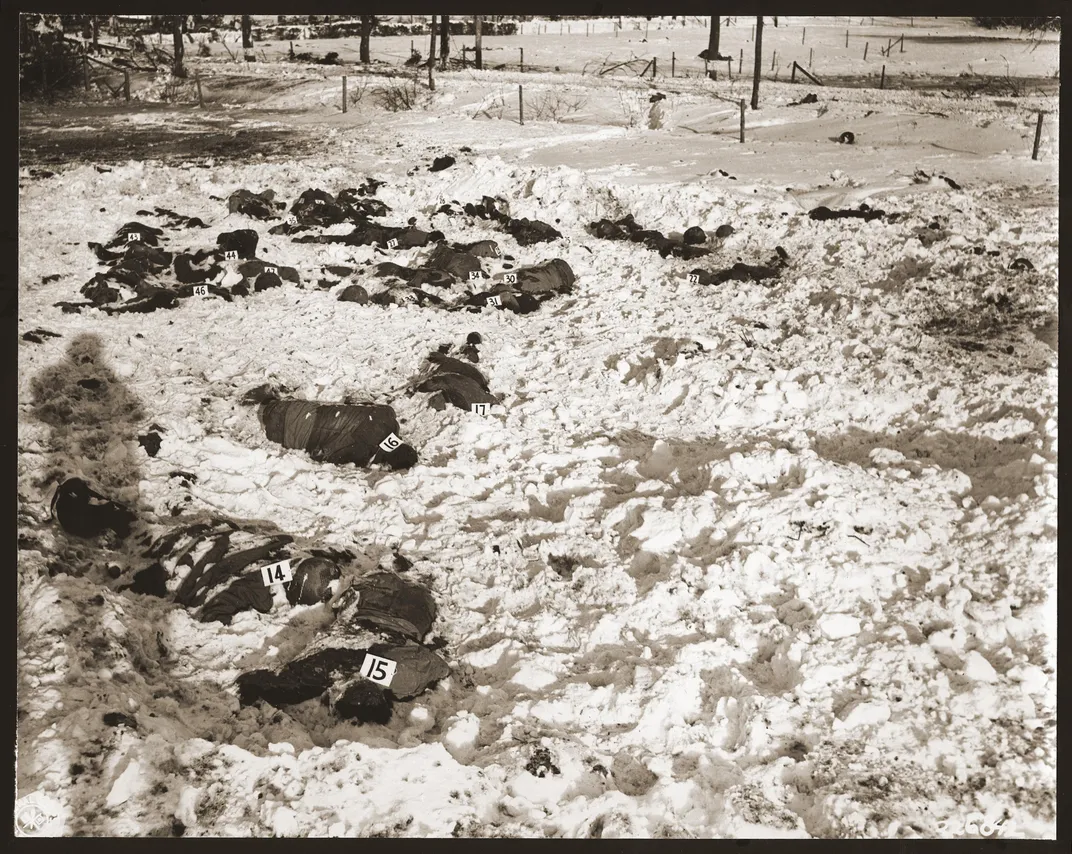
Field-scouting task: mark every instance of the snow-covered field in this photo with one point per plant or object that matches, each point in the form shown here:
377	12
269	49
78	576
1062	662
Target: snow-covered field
773	559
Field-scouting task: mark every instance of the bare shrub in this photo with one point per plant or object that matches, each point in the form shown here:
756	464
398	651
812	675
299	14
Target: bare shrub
493	107
356	91
399	95
555	106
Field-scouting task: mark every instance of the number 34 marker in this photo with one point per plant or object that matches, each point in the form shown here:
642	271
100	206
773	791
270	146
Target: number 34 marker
379	670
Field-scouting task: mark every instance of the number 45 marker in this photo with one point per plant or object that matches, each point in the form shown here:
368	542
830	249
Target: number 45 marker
379	670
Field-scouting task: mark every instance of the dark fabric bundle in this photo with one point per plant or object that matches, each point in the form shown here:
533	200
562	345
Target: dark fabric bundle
255	205
388	601
83	512
529	231
354	293
480	249
254	268
145	234
336	433
243	241
554	276
405	295
189	274
317	207
377	616
215	565
458	264
822	213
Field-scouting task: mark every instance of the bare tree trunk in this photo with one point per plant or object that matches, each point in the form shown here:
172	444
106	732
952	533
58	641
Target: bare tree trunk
712	41
444	39
366	34
180	49
432	46
247	32
759	62
479	51
96	30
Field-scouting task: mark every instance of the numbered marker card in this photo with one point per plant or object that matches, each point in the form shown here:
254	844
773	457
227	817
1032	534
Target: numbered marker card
390	443
694	279
510	278
479	408
495	301
475	274
200	290
392	243
276	573
378	670
133	237
268	268
230	255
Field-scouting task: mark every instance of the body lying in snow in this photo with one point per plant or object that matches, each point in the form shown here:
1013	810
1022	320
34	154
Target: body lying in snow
359	433
212	565
382	615
455	382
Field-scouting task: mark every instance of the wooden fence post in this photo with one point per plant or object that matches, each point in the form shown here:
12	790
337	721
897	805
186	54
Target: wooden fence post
673	64
882	80
866	45
126	85
773	60
902	42
729	67
522	60
431	79
344	93
811	57
803	35
752	33
793	73
521	103
653	68
742	119
85	71
200	97
1038	137
740	61
846	38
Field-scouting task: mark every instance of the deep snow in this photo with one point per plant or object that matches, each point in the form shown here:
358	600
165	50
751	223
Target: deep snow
771	560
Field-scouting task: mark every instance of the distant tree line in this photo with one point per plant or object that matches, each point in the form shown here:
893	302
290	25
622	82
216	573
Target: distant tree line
1038	23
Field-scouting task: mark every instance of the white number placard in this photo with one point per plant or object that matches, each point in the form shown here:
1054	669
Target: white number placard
495	253
276	573
200	290
378	670
318	201
392	243
479	408
133	237
694	279
390	443
475	274
268	268
510	278
290	219
230	255
494	301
